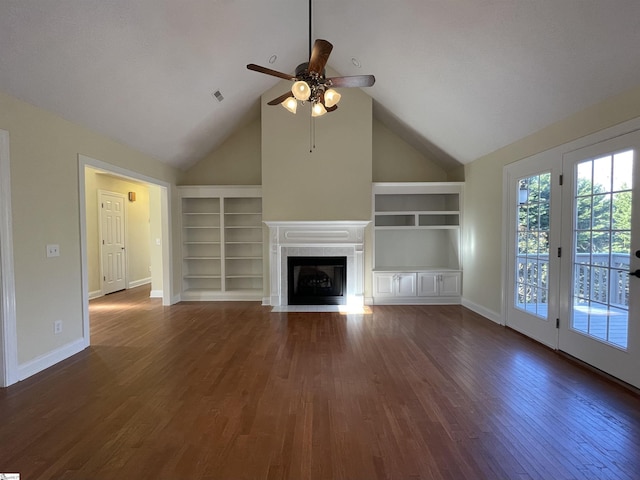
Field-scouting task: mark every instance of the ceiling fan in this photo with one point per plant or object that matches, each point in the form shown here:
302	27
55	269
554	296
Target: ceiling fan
310	82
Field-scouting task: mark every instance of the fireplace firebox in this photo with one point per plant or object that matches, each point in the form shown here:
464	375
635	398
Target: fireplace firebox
317	280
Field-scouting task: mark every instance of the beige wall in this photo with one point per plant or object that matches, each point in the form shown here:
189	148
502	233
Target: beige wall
394	160
333	182
138	236
45	209
482	237
236	162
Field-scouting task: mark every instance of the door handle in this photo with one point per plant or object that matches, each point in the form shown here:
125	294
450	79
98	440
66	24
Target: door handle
636	273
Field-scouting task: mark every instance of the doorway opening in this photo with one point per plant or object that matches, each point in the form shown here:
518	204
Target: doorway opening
154	252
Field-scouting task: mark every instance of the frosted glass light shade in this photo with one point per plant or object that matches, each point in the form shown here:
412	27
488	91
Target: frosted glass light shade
318	110
301	90
331	97
290	104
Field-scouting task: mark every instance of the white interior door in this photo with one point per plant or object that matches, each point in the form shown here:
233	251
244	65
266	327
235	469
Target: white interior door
600	301
532	197
112	233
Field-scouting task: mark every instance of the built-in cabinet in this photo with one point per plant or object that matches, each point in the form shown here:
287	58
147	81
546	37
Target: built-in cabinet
417	228
222	242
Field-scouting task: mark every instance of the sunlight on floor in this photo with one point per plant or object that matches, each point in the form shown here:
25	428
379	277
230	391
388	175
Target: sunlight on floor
342	309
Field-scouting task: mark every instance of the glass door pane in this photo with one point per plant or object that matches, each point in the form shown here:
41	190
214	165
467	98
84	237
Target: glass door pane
531	289
602	244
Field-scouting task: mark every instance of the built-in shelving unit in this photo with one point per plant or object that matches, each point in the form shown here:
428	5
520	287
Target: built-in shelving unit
417	242
222	243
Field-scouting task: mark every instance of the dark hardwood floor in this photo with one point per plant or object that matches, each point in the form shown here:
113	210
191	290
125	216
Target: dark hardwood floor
233	391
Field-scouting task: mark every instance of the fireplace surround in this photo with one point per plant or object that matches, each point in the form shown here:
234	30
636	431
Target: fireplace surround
316	239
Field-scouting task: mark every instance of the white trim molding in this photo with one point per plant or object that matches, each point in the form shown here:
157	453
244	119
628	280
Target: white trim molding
95	294
8	327
480	310
49	359
139	283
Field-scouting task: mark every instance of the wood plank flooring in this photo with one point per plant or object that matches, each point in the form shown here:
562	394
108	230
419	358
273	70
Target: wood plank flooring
233	391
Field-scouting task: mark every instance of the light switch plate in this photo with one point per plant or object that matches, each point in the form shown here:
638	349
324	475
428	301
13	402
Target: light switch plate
53	250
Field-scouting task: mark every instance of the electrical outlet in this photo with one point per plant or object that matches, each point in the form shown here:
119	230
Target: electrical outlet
57	327
53	250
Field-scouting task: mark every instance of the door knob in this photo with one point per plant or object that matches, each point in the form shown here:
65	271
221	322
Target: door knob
638	253
636	273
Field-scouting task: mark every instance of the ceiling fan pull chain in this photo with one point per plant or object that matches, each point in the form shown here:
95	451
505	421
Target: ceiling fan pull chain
312	140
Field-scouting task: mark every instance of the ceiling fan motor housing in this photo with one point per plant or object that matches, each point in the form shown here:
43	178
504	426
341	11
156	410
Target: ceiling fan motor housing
316	82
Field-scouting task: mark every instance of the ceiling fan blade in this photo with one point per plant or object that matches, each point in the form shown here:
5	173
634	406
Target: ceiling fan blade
354	81
319	56
268	71
280	99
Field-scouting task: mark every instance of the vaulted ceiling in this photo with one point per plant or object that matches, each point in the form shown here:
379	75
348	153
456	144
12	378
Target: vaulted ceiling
457	79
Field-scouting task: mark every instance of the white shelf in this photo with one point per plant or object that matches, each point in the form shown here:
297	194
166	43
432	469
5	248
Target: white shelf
222	242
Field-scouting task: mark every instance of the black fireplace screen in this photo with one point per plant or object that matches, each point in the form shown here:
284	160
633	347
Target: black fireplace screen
317	280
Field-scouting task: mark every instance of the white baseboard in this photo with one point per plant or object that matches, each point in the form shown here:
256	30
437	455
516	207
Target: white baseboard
480	310
175	299
265	301
155	294
47	360
139	283
95	294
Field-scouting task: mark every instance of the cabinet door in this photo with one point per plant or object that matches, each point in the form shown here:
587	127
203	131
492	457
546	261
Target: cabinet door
428	284
383	284
406	283
450	284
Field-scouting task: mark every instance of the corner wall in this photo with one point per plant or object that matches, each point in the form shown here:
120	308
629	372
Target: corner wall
45	209
482	233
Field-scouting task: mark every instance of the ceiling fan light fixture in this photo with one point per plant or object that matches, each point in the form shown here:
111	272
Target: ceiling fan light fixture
290	104
318	110
331	98
301	90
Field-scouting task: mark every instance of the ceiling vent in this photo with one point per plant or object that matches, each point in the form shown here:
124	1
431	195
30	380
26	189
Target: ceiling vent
217	95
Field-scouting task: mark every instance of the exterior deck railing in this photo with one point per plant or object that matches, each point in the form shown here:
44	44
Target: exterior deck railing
598	277
593	280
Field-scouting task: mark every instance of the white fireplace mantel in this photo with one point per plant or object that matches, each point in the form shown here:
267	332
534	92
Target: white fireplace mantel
317	239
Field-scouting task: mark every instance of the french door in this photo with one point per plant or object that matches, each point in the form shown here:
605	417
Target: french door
599	297
572	277
533	236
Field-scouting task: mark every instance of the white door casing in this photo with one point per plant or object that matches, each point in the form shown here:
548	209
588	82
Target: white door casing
112	241
8	333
